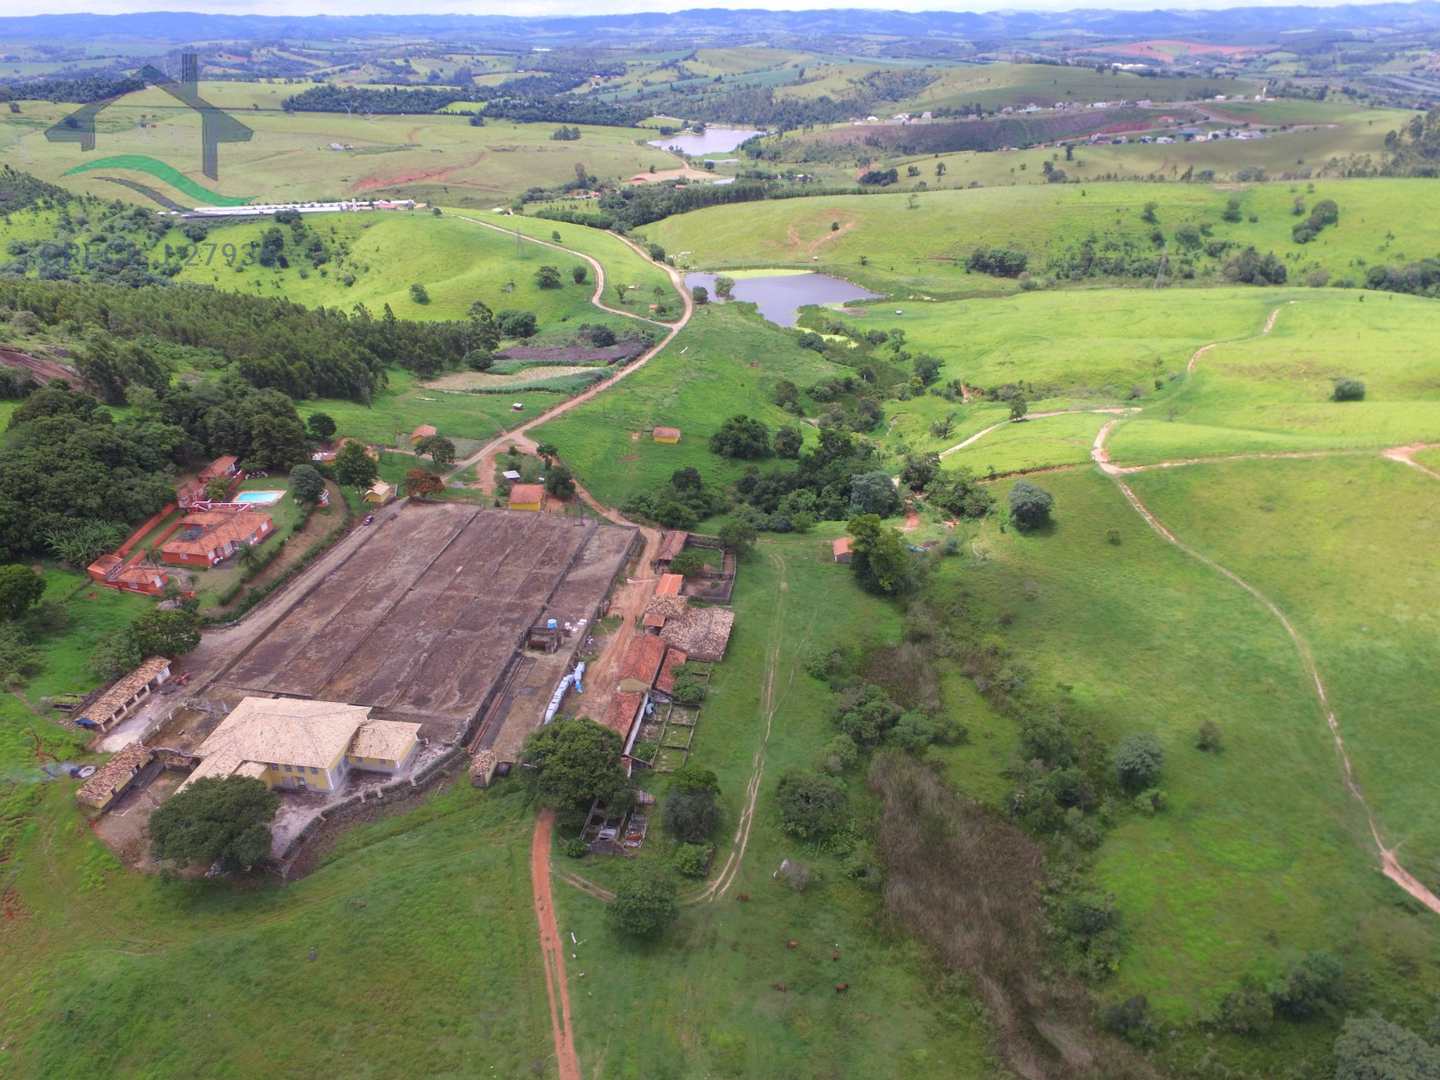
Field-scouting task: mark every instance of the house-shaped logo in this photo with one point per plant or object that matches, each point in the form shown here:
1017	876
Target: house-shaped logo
216	125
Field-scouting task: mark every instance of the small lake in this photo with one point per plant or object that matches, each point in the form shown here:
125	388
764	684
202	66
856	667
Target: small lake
781	296
715	140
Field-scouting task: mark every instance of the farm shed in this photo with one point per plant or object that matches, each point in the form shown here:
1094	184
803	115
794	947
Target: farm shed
424	431
222	468
303	745
665	681
121	699
661	609
527	496
137	575
641	664
117	776
670	585
840	549
667	435
380	494
703	633
624	710
672	542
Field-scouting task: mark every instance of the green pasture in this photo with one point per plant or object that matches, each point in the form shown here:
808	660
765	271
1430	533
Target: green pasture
389	251
921	242
723	363
1260	853
703	1001
1031	444
1355	573
438	158
1272	392
122	974
998	85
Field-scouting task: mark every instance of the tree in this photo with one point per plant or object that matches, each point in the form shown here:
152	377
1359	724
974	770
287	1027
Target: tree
579	272
1030	505
1348	390
575	761
547	452
738	536
1312	986
812	806
439	449
724	287
548	277
559	481
688	564
959	493
516	324
788	441
1018	407
878	557
1246	1010
224	820
741	437
1138	760
690	814
1371	1048
18	658
82	543
874	493
20	589
645	904
354	467
700	294
306	484
919	470
320	426
419	293
165	633
420	483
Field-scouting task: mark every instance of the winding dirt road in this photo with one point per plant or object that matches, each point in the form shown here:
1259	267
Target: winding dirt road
1390	866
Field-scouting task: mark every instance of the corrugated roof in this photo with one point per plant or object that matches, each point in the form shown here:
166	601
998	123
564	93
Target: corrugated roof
642	660
667	433
424	431
386	739
113	775
624	708
841	546
110	702
524	494
670	585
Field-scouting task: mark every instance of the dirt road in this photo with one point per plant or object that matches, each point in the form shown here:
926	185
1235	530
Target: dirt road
552	952
1390	866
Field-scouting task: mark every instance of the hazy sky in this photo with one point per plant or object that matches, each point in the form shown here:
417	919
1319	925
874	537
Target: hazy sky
593	7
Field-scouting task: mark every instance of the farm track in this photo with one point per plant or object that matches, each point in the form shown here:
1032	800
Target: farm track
1389	864
567	1064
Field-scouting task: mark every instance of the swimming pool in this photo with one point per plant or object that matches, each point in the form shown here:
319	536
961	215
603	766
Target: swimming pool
258	498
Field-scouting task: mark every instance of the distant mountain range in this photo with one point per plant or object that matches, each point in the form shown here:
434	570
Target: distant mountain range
732	24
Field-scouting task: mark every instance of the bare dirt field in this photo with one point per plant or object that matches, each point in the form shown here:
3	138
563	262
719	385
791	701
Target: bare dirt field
425	617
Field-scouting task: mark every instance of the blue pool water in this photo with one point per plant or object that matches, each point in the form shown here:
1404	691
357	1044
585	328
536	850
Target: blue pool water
259	498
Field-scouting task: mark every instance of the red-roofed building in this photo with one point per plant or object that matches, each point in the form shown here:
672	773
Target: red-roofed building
672	542
841	549
225	468
624	711
212	536
527	496
641	664
667	435
136	576
665	681
670	585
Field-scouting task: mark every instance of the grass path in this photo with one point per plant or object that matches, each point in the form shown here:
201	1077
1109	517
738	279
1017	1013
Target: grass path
973	439
1389	864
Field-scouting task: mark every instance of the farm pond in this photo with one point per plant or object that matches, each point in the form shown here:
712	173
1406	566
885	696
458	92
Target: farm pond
713	140
780	295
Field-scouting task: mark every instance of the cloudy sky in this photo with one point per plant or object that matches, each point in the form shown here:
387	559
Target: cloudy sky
593	7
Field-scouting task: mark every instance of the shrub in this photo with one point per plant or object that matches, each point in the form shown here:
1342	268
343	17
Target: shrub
998	262
1130	1019
690	815
578	273
1246	1010
419	294
644	905
741	437
1030	505
692	860
840	754
788	442
1208	737
700	294
1371	1048
874	493
575	848
1138	760
1348	390
812	806
1312	986
689	692
516	324
548	277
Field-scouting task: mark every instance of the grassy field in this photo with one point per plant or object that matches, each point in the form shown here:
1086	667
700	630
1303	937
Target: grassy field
363	962
723	363
1356	577
1271	392
455	261
1260	853
998	85
924	247
436	158
702	1002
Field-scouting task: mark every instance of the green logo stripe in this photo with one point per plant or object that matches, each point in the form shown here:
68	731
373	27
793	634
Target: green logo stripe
158	169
